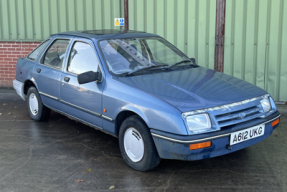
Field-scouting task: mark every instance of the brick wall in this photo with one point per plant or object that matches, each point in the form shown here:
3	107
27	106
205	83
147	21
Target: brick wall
9	54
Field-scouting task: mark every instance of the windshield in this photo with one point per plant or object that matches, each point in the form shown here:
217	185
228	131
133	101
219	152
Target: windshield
133	54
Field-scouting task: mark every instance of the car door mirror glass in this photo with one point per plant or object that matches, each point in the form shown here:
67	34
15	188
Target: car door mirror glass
88	77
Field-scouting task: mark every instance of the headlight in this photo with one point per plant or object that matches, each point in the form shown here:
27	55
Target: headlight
265	103
198	123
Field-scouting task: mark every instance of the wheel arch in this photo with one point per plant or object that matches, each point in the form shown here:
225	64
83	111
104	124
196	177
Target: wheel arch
124	114
27	84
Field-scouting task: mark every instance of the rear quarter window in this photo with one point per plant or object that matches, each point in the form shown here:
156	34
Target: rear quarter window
35	53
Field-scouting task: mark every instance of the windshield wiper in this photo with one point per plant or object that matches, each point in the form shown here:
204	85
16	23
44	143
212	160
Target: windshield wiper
149	67
184	61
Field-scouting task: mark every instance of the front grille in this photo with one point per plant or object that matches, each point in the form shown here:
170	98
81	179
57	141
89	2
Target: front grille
239	116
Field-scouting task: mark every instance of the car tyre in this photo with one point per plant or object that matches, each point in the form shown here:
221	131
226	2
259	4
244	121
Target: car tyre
37	110
136	145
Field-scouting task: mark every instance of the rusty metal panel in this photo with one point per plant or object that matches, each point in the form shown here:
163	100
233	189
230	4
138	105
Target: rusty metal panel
256	44
219	35
188	24
35	20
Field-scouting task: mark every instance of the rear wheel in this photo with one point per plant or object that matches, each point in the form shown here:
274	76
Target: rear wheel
136	145
37	110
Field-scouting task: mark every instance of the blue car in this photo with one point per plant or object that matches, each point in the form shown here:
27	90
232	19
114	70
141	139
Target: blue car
140	88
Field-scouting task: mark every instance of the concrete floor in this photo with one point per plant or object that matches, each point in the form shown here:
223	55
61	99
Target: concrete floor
51	156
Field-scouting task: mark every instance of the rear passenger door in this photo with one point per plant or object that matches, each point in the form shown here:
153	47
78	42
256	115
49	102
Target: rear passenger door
47	73
82	101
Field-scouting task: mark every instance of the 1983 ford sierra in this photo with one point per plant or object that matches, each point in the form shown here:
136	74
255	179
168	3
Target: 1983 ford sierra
143	90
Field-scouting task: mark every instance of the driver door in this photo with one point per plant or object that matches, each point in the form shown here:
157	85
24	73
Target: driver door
82	101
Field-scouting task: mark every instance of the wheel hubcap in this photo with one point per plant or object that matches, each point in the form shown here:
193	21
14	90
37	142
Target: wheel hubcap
134	145
33	102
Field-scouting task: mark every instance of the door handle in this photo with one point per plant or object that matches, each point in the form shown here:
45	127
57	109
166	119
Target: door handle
38	70
67	79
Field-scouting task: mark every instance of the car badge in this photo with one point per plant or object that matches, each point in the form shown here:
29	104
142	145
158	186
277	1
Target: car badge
242	115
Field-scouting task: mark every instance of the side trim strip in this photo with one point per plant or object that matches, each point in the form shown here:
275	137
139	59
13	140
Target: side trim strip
77	107
82	121
107	118
47	95
199	140
80	108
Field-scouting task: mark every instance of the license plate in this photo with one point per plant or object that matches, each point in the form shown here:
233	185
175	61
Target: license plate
246	134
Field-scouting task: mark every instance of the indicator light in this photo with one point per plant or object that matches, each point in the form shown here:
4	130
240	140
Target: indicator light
275	122
200	145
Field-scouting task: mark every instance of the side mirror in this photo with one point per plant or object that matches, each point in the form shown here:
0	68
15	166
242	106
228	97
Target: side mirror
193	60
89	76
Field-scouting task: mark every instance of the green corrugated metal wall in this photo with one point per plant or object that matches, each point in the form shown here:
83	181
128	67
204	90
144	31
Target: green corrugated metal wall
256	44
188	24
255	30
37	19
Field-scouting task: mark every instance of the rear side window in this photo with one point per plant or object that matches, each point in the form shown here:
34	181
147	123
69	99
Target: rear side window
34	54
82	59
55	55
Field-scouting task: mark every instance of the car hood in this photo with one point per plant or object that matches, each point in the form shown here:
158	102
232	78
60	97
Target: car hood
194	88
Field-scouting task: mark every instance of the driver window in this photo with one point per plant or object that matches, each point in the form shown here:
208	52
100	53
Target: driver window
82	59
55	55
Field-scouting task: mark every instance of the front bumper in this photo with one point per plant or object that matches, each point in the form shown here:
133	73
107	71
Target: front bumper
177	147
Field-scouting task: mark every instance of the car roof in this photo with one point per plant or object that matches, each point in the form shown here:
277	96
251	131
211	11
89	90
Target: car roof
107	34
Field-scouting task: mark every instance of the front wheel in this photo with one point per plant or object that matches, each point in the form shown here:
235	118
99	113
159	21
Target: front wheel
136	145
37	110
